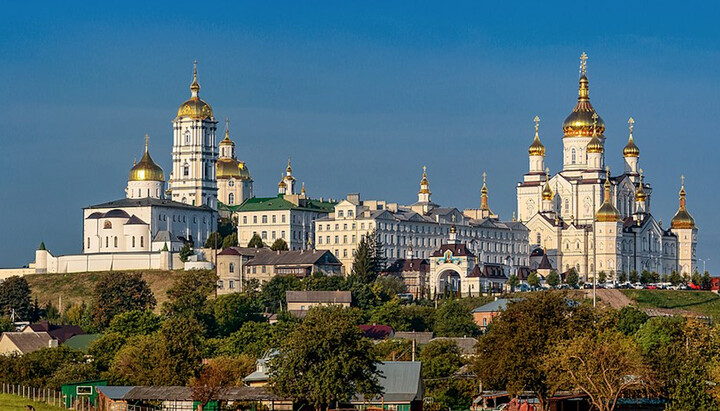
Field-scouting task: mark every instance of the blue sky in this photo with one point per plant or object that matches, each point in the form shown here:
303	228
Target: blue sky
361	95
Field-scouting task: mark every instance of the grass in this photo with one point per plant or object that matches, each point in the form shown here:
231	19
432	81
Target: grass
77	287
10	402
702	302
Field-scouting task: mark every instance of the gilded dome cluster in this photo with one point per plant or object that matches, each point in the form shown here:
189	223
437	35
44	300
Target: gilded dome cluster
195	108
581	122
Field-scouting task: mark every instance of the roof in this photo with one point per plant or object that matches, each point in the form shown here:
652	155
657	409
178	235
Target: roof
400	382
421	338
376	332
402	265
489	270
178	393
59	332
493	307
135	220
148	201
26	342
295	257
81	342
337	297
242	251
459	249
544	263
279	203
466	344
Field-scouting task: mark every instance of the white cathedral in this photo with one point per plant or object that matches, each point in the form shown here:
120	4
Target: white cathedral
584	218
133	232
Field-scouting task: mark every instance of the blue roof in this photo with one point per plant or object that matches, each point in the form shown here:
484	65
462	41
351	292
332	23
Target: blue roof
495	306
115	392
400	381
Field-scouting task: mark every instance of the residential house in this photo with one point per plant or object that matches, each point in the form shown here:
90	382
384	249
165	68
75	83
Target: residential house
484	315
267	264
299	302
231	267
24	342
412	271
59	332
402	387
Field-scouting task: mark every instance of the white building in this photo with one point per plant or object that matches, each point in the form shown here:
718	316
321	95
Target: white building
234	182
421	228
592	221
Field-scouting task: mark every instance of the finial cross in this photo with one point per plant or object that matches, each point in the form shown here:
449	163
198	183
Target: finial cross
424	170
484	177
583	63
682	179
537	123
147	140
631	121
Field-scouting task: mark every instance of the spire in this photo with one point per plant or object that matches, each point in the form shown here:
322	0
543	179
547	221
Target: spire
484	194
227	128
302	191
583	92
547	193
640	194
595	145
195	86
579	123
537	148
631	150
682	218
147	141
424	183
289	168
607	211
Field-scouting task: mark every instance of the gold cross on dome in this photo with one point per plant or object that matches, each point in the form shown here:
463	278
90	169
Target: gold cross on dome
147	140
484	177
583	63
682	179
424	169
537	123
631	121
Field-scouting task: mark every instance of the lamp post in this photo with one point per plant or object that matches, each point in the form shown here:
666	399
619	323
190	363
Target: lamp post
704	261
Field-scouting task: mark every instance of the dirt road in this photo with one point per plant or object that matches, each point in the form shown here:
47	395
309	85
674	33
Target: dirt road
613	298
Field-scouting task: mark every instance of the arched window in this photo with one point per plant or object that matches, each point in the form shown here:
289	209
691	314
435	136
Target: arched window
186	170
142	241
573	156
107	239
187	137
538	238
88	246
107	224
232	267
231	198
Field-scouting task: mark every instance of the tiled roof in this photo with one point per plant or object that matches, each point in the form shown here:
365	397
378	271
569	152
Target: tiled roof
147	201
294	257
376	332
81	342
244	251
59	332
28	341
493	307
408	264
177	393
466	344
457	250
421	337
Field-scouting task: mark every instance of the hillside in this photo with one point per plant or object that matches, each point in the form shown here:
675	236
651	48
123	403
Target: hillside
702	302
76	287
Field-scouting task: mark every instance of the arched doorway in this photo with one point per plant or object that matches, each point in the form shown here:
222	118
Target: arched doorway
448	283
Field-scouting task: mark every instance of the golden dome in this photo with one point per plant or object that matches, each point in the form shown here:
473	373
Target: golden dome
580	122
682	218
631	150
607	211
484	195
640	194
282	181
547	193
595	145
424	183
146	169
195	107
537	148
232	168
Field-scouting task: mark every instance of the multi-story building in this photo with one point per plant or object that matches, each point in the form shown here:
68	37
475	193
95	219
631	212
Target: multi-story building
421	228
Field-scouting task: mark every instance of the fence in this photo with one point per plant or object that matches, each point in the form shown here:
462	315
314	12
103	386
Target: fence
50	397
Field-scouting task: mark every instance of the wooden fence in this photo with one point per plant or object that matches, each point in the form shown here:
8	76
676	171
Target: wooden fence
49	396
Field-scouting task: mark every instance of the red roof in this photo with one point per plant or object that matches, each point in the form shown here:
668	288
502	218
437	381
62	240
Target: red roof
376	332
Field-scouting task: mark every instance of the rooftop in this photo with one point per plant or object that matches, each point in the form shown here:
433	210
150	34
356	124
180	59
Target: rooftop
279	203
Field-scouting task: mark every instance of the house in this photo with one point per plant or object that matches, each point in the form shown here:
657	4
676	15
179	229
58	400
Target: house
24	342
376	331
490	278
402	388
301	263
412	271
59	332
299	302
466	344
230	268
81	342
484	315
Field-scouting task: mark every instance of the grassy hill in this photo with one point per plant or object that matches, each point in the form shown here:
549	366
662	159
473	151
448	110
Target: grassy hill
76	287
702	302
14	403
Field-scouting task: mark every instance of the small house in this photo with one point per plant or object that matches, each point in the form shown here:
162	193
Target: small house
21	343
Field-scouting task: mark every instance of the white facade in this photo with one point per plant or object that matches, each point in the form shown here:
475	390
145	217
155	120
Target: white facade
233	177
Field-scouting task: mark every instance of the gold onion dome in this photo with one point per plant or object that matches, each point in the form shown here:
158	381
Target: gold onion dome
424	183
580	122
682	218
547	193
631	150
537	148
282	181
640	194
607	211
595	145
195	107
232	168
146	169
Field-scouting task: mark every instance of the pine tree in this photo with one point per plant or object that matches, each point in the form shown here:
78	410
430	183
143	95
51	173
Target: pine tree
256	242
362	267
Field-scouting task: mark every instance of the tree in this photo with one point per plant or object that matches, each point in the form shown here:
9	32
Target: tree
511	355
394	350
322	282
279	245
185	252
633	278
441	359
675	278
362	266
388	287
6	324
217	376
454	319
230	240
15	298
533	280
602	277
630	320
603	365
553	279
36	368
622	277
325	360
513	282
135	322
104	349
706	282
253	338
189	293
72	372
215	240
82	315
571	278
256	242
119	292
273	291
231	311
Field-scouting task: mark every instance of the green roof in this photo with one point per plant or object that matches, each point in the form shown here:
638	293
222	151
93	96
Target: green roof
81	342
279	203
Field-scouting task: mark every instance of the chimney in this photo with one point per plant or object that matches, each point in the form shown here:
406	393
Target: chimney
52	343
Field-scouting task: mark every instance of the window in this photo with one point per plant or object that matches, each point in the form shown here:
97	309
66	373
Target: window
264	219
88	246
282	234
232	284
84	390
254	219
186	170
350	213
274	218
282	218
353	238
232	268
345	252
264	235
244	219
272	235
107	224
231	182
572	156
231	198
220	284
133	241
345	239
336	239
106	242
115	242
320	239
142	241
340	213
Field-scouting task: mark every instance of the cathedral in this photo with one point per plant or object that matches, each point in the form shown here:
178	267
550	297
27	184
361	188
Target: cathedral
586	219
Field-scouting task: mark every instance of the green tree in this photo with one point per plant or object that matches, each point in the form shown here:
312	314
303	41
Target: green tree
706	282
82	315
553	279
36	368
362	266
389	287
216	376
571	278
15	298
215	240
325	360
675	278
230	240
513	281
279	245
189	292
602	277
256	242
72	372
633	278
454	319
104	349
233	310
185	252
630	320
119	292
6	324
135	322
512	354
394	350
533	280
622	277
322	282
441	359
273	291
253	338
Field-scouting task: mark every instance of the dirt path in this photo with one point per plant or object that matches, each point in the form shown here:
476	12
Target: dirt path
613	298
